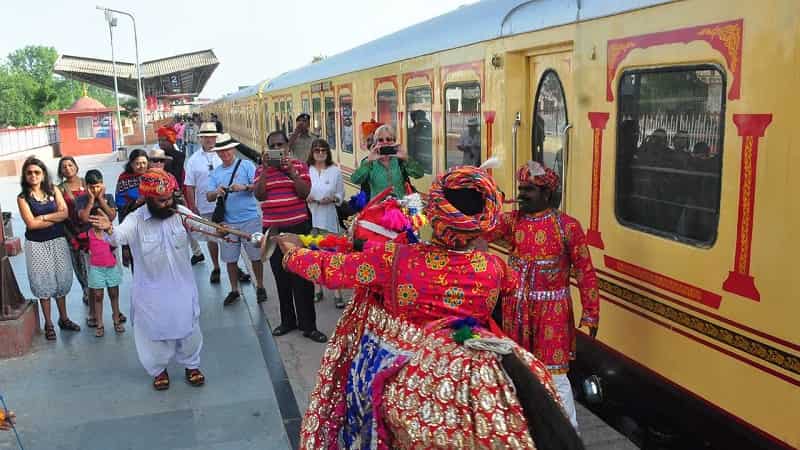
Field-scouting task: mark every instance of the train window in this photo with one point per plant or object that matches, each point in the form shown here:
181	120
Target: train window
289	116
549	121
316	116
346	110
304	105
387	108
330	122
266	114
669	151
277	117
462	124
283	116
419	129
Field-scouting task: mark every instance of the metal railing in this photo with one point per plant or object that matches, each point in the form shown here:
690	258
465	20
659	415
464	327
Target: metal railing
16	140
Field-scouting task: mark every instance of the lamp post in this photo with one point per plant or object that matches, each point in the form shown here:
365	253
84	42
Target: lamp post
112	22
108	11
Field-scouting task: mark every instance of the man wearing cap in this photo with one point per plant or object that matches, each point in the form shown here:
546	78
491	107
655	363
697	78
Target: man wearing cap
198	168
301	139
165	308
470	143
546	246
234	180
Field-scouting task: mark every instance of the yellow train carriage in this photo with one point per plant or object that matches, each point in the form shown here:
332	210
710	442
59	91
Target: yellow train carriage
671	124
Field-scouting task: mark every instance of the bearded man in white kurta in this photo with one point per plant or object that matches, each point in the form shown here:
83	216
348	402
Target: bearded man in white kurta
165	308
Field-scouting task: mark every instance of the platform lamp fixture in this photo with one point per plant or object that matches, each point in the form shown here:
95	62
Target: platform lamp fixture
112	22
110	18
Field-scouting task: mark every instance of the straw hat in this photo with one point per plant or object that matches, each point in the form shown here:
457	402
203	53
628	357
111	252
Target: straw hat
224	142
208	129
157	153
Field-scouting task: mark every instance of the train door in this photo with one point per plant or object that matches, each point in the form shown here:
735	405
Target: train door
550	92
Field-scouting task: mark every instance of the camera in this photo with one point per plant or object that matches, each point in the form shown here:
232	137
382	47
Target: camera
274	157
388	150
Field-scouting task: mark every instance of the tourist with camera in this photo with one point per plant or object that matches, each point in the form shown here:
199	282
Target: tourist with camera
282	185
387	164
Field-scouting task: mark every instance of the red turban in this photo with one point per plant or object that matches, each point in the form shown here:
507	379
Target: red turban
168	134
157	183
537	174
451	226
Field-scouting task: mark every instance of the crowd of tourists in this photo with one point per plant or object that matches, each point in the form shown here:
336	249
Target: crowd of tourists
419	310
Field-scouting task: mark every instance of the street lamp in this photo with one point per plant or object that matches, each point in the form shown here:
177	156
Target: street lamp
109	12
112	22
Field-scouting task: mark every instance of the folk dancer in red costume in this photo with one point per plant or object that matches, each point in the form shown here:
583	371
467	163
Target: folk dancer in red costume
413	362
547	246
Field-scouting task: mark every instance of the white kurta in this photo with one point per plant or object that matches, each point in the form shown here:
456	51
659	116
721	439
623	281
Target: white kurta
164	299
325	183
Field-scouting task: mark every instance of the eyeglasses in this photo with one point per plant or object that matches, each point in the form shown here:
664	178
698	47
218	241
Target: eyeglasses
276	145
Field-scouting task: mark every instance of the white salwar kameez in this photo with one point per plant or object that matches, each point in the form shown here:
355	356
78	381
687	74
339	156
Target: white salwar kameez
325	183
165	307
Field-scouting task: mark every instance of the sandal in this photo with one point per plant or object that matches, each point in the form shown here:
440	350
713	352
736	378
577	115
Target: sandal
195	377
118	327
99	331
161	381
91	322
49	332
66	324
122	318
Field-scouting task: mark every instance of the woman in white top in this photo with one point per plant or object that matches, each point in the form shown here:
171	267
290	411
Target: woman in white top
327	191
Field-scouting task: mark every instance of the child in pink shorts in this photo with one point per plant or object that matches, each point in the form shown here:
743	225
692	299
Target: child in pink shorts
104	273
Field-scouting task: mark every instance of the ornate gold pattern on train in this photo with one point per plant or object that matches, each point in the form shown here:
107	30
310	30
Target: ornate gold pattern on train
756	349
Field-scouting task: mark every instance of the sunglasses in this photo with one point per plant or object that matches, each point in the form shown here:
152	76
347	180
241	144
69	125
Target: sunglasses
158	161
321	150
385	140
33	172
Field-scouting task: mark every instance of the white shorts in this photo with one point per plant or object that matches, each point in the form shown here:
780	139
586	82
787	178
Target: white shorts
231	250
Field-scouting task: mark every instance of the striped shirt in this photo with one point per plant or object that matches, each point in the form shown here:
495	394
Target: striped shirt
283	207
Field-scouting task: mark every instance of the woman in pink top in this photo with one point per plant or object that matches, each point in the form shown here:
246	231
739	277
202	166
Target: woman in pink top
104	272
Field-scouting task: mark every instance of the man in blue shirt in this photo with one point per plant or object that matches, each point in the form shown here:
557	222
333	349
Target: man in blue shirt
234	180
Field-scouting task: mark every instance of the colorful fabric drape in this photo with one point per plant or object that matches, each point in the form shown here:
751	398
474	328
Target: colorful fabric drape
392	375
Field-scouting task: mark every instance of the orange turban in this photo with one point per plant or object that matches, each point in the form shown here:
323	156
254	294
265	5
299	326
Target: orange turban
157	183
453	227
367	128
537	174
168	134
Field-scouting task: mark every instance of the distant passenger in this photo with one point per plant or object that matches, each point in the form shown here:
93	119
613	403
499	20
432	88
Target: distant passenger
218	124
470	143
301	139
347	135
167	141
420	139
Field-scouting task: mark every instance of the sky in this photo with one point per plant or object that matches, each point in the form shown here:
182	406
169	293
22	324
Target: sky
253	40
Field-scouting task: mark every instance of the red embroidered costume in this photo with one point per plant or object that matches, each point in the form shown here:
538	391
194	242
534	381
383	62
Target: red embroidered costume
393	374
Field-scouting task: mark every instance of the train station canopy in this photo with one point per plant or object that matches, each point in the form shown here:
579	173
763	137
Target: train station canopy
172	77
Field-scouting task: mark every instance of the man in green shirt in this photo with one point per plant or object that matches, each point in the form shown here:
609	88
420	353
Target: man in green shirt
380	170
301	139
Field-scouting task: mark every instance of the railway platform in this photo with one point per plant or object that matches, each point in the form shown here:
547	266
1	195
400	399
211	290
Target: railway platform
88	393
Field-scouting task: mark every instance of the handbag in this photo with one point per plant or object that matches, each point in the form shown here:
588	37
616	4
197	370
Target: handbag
219	210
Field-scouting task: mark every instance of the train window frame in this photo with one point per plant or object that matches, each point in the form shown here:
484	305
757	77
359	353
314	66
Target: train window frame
346	99
408	118
538	156
327	114
290	116
673	236
446	113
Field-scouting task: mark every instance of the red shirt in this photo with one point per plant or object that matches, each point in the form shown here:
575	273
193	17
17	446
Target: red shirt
283	207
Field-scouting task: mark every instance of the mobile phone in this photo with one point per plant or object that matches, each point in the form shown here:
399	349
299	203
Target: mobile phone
388	150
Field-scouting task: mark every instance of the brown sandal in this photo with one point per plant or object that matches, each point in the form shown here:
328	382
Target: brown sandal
66	324
50	332
118	327
161	381
99	331
195	377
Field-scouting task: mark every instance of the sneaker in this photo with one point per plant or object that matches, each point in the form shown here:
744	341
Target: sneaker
261	295
198	258
318	297
214	279
232	297
244	277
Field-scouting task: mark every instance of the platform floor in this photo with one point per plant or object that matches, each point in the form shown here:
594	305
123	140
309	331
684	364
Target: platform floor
89	393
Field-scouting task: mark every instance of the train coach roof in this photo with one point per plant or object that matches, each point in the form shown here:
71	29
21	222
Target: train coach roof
470	24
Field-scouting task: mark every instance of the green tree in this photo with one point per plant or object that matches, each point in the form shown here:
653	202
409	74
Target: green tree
28	87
